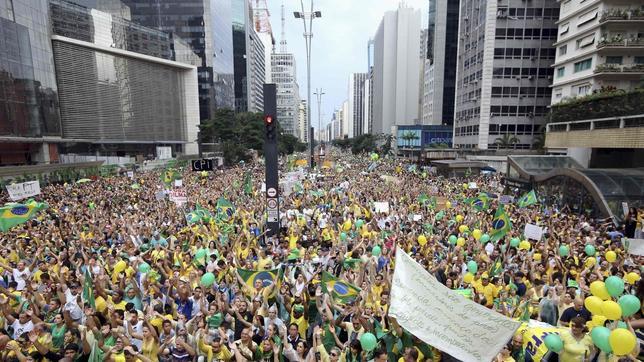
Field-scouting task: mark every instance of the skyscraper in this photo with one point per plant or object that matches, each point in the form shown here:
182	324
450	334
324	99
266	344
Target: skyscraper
440	63
503	74
396	70
248	54
356	102
284	75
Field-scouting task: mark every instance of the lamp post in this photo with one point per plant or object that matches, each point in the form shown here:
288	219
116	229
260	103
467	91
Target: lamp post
319	93
308	34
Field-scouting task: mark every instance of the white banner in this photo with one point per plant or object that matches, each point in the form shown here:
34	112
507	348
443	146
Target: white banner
443	318
533	232
178	196
23	190
381	207
635	246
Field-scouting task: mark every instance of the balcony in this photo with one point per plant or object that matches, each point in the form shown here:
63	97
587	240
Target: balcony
618	41
625	69
621	15
611	132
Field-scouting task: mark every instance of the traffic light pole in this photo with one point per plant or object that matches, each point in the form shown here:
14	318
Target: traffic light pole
270	156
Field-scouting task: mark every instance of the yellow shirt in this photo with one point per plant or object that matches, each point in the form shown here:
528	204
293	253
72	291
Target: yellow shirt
150	349
575	350
117	306
223	355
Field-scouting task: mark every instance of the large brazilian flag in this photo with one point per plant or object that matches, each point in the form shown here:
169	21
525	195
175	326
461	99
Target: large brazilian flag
341	290
15	214
267	277
501	224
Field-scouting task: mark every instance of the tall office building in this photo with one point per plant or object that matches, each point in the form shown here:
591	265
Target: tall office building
248	53
505	55
347	121
356	102
396	70
303	122
206	26
440	63
599	46
367	104
284	75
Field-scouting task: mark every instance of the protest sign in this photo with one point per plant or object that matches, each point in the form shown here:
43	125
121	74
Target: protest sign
444	319
635	246
506	199
178	196
417	217
178	183
381	207
472	185
533	232
159	195
130	174
23	190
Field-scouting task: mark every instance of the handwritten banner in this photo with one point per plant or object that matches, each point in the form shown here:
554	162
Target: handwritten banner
444	319
23	190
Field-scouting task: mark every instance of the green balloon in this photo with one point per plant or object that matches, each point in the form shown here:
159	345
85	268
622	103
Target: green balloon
554	342
440	215
201	253
630	304
376	251
207	280
485	238
359	223
452	239
472	267
144	267
622	325
564	250
368	342
615	286
600	335
343	236
590	250
514	242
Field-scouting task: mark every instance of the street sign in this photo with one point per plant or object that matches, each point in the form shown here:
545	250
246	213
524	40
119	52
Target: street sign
205	164
272	209
271	192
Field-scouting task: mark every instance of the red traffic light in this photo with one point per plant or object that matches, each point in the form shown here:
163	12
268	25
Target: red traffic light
268	120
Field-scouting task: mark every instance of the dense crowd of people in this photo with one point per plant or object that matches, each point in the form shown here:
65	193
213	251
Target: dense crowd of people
112	272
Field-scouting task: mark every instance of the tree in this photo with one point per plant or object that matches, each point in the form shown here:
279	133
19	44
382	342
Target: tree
507	141
539	140
344	143
385	149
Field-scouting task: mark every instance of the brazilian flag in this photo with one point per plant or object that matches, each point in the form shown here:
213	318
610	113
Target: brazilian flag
15	214
497	267
225	210
529	198
169	175
198	214
479	203
248	184
88	289
422	199
341	290
501	224
267	277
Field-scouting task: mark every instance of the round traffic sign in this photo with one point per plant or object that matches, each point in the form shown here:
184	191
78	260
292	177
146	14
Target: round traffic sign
271	192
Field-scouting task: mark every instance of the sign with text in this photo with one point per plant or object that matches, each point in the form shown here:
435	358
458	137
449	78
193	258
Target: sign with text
23	190
506	199
202	165
533	232
444	319
178	196
381	207
271	209
635	246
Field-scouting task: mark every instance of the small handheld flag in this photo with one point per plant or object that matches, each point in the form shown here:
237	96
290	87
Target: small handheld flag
501	224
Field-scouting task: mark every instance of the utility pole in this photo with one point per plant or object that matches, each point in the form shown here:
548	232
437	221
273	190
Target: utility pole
270	156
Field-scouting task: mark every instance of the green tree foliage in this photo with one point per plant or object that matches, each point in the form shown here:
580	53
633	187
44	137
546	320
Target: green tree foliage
507	141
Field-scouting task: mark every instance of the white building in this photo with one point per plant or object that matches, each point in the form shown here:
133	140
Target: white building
347	121
356	99
288	95
303	122
396	70
269	47
600	44
367	104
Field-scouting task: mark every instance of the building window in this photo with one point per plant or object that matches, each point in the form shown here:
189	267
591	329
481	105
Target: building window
583	65
582	90
560	72
584	42
558	93
638	60
563	50
614	60
564	29
589	16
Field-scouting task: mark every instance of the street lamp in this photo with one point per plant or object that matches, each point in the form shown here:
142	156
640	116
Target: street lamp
308	34
319	93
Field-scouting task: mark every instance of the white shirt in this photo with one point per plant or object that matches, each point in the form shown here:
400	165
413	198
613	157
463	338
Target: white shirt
18	278
138	329
19	328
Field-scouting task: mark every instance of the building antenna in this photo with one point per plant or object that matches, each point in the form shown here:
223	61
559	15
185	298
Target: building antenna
283	39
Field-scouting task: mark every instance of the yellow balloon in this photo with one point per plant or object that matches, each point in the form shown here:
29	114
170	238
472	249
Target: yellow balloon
422	240
120	266
525	245
632	278
465	186
593	304
622	341
463	228
448	204
347	225
598	289
468	278
611	310
536	256
611	256
590	262
477	234
599	320
459	218
460	241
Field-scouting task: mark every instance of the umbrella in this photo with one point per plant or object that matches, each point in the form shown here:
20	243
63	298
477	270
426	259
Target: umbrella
83	180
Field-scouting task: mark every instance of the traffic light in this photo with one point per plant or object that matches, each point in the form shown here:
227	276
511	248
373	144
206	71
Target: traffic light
271	129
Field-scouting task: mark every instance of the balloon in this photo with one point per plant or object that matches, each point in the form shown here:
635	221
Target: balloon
120	266
374	157
514	242
485	238
598	320
459	218
476	233
207	280
598	289
622	341
614	285
448	204
611	256
611	310
376	251
468	278
553	342
630	304
144	267
440	215
368	341
564	250
343	236
465	186
590	262
463	228
600	336
359	223
593	304
422	240
525	244
200	254
622	324
632	278
472	267
452	239
590	250
460	241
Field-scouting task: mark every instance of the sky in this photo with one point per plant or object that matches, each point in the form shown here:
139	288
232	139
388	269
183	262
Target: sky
339	45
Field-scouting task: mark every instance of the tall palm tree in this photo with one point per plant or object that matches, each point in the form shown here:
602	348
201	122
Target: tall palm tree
539	139
507	141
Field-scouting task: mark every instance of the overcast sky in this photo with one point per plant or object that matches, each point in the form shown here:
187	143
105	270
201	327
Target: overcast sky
339	43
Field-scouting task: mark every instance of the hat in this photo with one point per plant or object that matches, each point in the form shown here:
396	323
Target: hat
485	276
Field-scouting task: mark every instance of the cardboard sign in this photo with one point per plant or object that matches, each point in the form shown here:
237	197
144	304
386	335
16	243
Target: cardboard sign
635	246
178	196
381	207
506	199
130	174
23	190
472	185
178	183
533	232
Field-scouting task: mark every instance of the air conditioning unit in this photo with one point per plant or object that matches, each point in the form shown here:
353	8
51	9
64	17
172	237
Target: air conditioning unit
549	77
533	58
531	77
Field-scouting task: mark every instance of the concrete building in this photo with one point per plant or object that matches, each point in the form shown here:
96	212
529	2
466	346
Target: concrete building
303	122
440	63
347	121
396	70
600	45
248	57
504	72
367	106
284	75
356	103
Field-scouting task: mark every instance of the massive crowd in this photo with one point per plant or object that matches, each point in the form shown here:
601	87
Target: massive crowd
112	272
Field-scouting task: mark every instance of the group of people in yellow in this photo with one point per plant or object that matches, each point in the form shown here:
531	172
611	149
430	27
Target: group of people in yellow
132	278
